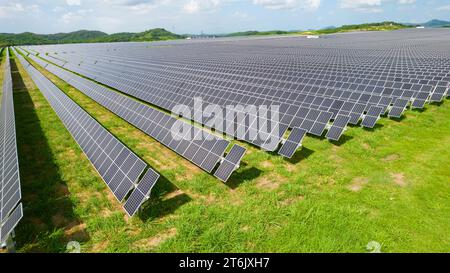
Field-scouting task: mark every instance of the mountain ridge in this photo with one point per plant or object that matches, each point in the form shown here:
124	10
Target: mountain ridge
436	23
85	36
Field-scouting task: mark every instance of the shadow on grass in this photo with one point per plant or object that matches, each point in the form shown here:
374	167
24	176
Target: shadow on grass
300	155
400	119
419	110
376	127
321	137
157	206
47	205
241	175
342	140
434	103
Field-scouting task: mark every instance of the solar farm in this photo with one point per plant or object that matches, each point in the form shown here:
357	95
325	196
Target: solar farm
358	151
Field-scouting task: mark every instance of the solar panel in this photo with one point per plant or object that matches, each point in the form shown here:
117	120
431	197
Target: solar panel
396	112
141	192
230	163
337	129
321	123
10	192
292	143
398	108
119	167
10	223
205	152
372	117
439	93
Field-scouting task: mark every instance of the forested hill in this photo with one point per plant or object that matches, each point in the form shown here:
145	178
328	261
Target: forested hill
85	36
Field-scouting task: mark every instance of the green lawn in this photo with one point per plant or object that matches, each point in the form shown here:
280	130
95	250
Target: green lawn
389	185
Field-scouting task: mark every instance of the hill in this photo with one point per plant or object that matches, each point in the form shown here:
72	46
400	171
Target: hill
435	23
327	30
85	36
361	27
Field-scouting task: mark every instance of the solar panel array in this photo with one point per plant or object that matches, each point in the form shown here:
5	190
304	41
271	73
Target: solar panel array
205	152
10	194
119	167
356	77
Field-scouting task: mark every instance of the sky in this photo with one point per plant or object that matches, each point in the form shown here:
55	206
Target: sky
208	16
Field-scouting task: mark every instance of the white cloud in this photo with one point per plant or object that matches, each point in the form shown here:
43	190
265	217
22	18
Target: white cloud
370	6
240	14
354	4
73	2
312	4
68	17
71	17
129	3
142	8
139	6
443	8
197	6
13	9
403	2
366	6
58	9
289	4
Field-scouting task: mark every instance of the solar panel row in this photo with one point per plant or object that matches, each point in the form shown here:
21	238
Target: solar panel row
375	87
205	152
119	167
270	143
10	193
133	88
314	81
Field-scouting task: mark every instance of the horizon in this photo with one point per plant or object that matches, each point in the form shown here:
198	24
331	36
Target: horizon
224	33
209	16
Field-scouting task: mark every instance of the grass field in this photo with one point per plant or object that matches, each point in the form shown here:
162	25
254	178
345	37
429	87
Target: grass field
390	185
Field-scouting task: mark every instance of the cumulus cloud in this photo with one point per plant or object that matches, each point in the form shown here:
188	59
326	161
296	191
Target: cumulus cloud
288	4
138	6
12	9
73	16
240	14
127	2
370	6
73	2
197	6
443	8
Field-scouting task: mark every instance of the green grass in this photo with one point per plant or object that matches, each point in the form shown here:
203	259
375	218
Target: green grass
389	185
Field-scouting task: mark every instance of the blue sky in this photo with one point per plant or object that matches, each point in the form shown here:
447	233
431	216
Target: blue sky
209	16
